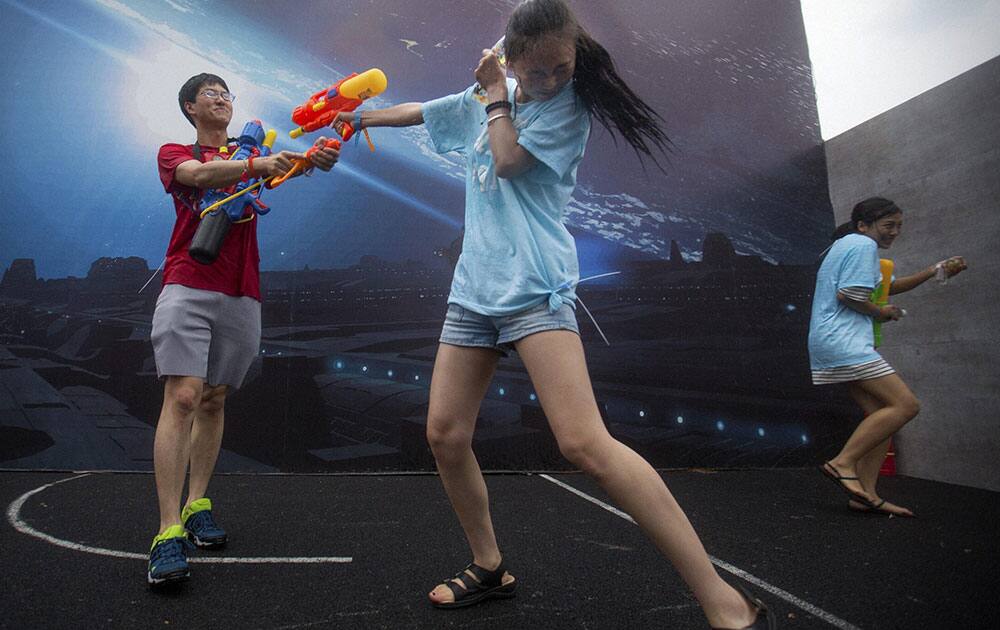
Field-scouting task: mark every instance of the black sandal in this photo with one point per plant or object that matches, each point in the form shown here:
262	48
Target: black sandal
764	619
831	473
483	584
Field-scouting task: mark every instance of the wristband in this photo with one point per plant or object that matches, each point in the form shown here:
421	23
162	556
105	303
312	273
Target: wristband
497	105
249	169
495	117
357	120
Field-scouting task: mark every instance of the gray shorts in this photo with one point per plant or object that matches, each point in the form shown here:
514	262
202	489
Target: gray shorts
206	334
463	327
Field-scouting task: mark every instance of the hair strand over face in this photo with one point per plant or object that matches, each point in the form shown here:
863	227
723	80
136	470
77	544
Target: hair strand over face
603	92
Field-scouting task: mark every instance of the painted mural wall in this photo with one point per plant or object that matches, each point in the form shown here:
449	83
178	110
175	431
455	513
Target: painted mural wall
706	363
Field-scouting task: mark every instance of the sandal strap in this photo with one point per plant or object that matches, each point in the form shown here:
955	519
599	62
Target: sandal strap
457	591
480	580
485	577
837	473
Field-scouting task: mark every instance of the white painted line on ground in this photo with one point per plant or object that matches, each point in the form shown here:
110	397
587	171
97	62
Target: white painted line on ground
815	611
14	517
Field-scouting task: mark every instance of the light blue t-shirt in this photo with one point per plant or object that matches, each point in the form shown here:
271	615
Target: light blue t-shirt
516	253
839	336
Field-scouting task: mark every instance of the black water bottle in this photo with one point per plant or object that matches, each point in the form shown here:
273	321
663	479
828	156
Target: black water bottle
208	237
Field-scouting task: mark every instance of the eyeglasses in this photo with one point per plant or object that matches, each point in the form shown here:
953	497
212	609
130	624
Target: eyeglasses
229	97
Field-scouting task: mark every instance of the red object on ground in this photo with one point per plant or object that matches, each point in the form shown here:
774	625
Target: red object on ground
888	468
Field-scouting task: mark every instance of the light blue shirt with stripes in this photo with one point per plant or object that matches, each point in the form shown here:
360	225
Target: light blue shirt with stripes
838	335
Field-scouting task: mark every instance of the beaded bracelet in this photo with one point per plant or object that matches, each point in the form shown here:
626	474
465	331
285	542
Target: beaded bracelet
497	105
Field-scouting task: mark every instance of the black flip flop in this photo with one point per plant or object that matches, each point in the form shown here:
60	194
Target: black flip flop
830	472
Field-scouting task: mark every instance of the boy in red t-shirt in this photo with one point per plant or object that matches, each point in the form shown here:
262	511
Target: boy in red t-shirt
206	326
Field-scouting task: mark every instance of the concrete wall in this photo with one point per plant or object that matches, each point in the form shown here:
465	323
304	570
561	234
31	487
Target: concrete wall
938	157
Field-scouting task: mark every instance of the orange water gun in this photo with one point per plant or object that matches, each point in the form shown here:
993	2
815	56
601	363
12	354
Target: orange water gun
300	165
343	96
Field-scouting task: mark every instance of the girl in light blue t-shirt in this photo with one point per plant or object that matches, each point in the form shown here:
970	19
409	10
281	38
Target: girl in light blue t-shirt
514	288
842	348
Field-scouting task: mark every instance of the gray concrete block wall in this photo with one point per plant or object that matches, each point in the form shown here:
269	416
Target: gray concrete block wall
938	157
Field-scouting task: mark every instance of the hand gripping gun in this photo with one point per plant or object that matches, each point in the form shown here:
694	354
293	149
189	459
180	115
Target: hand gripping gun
232	205
343	96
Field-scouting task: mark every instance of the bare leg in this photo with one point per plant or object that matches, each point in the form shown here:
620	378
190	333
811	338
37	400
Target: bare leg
206	439
558	371
897	406
171	446
870	465
458	384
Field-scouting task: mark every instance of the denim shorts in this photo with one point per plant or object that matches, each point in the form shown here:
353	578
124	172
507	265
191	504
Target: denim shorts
463	327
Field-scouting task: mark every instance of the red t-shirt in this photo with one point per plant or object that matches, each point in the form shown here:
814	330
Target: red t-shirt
236	271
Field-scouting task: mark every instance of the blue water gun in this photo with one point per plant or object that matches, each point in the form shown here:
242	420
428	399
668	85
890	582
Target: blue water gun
222	208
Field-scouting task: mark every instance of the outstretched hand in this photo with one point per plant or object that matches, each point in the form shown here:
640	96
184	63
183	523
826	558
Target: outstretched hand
952	266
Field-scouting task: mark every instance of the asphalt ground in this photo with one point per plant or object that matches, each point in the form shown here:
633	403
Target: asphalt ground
579	564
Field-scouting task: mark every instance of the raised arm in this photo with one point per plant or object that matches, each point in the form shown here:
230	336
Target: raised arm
951	267
510	159
402	115
223	173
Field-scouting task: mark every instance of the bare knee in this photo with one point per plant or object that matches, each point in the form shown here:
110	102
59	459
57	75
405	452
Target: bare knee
588	454
910	407
183	398
212	402
447	436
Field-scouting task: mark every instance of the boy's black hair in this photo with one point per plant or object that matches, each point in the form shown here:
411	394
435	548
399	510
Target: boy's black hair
189	91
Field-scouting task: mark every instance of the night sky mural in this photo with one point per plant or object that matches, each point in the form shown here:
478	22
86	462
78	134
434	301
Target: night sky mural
706	321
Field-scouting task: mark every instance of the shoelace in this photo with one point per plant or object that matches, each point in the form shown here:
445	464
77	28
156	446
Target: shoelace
203	520
171	550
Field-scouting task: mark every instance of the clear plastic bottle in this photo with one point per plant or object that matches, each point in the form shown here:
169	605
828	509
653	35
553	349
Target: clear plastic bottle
941	272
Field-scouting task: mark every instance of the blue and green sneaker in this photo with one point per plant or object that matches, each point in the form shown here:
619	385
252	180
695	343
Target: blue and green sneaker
168	558
200	525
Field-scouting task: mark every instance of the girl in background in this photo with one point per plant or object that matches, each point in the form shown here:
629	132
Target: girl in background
841	346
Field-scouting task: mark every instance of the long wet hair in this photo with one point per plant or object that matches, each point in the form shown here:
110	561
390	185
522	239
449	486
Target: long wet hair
603	92
868	212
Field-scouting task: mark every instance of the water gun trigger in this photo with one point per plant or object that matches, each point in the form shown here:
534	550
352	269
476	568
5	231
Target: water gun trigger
332	143
302	164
